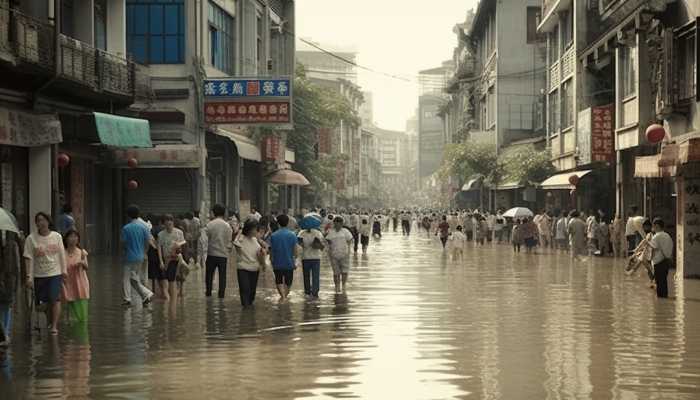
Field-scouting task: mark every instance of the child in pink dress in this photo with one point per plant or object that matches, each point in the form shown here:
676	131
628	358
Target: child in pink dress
76	287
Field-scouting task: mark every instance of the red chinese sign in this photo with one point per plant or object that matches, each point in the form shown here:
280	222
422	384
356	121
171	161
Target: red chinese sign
602	134
247	112
271	148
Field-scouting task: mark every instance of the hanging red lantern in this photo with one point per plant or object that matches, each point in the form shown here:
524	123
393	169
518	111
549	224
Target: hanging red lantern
132	162
132	184
574	179
655	133
62	159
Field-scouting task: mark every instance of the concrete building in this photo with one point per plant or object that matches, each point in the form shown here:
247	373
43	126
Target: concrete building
393	158
431	135
115	80
510	66
346	139
66	76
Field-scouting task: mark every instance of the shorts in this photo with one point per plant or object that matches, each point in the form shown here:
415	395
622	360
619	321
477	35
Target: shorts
48	289
340	265
170	272
364	240
284	277
153	267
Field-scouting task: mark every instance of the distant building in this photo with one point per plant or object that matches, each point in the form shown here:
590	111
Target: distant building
367	109
430	127
322	65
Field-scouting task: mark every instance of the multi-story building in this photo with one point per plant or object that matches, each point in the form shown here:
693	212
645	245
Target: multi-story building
183	43
327	71
503	44
65	77
115	115
393	158
431	134
618	68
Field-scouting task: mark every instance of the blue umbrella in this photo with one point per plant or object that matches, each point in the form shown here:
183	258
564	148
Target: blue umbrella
310	221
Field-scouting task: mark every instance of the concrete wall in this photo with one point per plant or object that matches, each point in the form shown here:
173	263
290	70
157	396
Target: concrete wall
40	181
520	75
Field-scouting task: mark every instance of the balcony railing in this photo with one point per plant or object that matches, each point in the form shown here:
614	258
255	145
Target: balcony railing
32	43
29	40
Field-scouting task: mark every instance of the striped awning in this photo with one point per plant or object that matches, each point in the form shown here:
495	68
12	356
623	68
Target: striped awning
561	181
648	167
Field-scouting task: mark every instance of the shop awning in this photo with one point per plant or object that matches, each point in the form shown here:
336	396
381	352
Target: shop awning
473	183
648	167
510	186
247	148
118	131
561	181
288	177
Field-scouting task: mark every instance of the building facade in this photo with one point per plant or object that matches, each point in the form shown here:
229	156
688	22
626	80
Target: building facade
431	134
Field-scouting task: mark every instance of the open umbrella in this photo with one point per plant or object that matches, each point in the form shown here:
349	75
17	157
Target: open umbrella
518	212
7	221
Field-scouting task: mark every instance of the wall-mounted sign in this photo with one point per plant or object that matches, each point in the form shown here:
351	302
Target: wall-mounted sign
249	101
24	129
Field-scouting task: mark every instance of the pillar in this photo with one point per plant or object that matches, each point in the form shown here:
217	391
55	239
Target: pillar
688	222
40	181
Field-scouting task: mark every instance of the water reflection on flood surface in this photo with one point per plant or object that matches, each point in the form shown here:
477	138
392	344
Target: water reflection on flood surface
414	325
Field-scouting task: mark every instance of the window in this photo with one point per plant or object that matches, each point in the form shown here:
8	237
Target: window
489	111
155	31
567	30
567	104
533	19
686	74
221	39
100	26
628	71
553	113
554	46
259	40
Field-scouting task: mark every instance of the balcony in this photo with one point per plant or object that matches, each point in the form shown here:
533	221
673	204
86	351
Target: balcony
466	68
29	46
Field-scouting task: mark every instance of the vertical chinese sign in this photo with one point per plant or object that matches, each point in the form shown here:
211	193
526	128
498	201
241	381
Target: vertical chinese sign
602	134
271	148
249	101
689	232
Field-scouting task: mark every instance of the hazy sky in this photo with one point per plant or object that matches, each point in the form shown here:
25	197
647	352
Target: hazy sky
399	37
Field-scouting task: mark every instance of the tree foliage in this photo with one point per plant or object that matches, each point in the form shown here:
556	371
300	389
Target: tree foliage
467	159
525	165
528	166
316	107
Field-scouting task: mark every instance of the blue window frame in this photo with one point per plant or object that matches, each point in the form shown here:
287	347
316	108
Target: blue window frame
221	39
155	31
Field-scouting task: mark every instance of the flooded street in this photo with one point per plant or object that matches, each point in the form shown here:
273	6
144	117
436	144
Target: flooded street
413	325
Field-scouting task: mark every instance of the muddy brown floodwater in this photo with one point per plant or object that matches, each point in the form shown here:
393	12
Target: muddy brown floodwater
413	325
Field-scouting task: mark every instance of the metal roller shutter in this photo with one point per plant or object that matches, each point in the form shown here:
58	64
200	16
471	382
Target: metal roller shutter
162	191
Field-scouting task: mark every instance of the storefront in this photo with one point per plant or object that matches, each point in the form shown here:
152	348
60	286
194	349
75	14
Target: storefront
26	163
585	190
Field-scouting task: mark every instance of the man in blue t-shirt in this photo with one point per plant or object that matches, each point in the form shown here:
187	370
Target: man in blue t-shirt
283	250
136	238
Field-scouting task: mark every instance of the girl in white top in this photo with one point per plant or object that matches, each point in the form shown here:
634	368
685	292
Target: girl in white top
457	242
251	256
46	266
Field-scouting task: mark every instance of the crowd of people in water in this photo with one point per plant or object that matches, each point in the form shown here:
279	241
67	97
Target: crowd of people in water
159	252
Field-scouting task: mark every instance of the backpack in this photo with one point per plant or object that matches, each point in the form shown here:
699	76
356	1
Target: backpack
317	244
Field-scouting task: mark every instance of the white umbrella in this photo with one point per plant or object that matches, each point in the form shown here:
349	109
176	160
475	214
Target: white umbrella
7	221
518	212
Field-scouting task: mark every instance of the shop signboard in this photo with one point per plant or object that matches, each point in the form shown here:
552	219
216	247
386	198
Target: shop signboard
18	128
160	156
595	135
249	101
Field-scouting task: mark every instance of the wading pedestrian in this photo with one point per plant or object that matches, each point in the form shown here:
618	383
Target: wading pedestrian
171	241
339	240
251	259
136	238
283	249
76	286
662	253
219	236
313	244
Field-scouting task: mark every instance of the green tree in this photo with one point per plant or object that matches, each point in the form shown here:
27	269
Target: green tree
466	159
528	165
316	107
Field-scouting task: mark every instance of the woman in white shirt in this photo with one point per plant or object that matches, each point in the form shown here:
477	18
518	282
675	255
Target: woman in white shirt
251	256
46	266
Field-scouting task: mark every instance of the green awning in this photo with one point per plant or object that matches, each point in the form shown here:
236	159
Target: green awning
118	131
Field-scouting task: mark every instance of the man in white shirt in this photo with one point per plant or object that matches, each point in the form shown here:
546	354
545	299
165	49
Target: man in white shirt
339	240
219	242
662	253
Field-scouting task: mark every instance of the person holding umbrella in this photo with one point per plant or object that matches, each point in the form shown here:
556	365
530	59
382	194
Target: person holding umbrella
10	245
